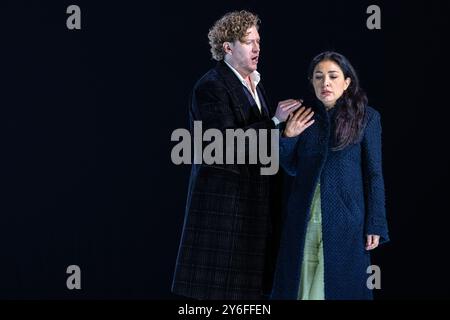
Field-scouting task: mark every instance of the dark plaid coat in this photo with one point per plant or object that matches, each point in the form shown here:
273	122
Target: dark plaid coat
226	249
352	201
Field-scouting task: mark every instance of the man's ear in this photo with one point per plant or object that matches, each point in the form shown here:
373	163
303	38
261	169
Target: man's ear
348	80
227	47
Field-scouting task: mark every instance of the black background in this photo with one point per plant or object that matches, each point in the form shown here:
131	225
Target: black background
87	115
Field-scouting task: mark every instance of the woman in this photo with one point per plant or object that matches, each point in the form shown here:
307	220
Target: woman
335	212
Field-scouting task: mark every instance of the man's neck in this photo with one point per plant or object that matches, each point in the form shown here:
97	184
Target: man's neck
244	75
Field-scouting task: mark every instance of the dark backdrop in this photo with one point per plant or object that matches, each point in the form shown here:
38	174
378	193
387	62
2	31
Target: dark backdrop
86	119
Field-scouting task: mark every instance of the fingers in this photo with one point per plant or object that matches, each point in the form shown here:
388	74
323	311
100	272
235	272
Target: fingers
286	107
284	101
289	116
295	107
290	104
283	110
292	108
306	115
376	241
298	113
372	241
303	115
288	101
369	241
308	124
298	120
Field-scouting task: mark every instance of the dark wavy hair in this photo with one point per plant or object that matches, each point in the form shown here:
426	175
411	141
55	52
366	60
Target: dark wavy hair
350	115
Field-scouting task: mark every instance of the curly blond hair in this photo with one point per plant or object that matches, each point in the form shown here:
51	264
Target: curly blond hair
231	27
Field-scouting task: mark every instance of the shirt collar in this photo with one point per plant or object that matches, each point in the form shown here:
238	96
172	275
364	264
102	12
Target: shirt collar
255	76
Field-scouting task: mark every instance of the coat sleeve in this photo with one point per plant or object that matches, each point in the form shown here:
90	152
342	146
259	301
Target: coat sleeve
373	178
288	154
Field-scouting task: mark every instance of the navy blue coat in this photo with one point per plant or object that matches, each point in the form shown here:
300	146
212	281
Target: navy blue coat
352	201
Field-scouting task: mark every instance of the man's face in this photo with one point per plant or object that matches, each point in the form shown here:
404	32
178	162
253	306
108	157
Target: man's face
243	56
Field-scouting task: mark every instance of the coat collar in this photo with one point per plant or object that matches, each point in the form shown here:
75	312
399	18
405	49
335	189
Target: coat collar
227	74
237	88
323	112
255	76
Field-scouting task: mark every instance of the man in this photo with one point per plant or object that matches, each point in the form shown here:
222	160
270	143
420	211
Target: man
228	242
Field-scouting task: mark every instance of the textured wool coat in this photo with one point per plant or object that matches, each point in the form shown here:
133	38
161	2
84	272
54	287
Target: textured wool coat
352	202
227	246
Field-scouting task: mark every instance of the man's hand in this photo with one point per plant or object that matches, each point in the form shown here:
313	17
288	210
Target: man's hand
286	107
372	241
298	122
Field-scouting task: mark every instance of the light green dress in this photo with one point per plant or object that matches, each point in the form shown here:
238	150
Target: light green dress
312	278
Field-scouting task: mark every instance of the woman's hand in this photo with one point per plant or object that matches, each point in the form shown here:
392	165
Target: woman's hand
372	241
297	122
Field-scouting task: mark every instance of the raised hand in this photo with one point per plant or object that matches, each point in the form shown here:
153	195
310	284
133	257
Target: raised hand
298	122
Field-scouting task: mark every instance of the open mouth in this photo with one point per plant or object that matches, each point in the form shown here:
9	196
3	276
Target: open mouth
255	59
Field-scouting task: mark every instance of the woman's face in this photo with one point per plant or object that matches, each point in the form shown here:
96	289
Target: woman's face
329	82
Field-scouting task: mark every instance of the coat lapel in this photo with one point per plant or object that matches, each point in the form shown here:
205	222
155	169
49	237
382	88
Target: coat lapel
264	101
246	110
